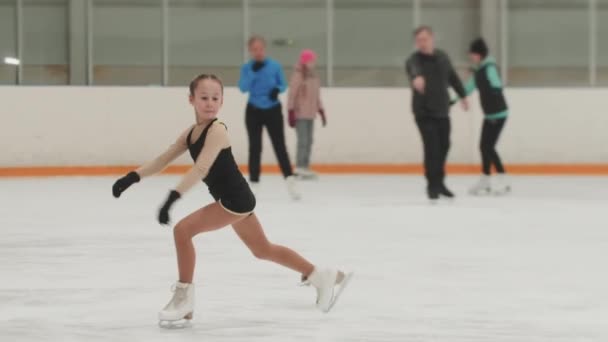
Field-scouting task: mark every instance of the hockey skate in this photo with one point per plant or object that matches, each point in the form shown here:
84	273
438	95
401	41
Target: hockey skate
178	313
325	282
482	187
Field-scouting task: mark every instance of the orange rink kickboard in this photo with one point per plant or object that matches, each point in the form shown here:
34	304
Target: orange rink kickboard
461	169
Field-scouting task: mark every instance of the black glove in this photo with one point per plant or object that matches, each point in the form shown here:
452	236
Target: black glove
124	183
274	94
257	65
163	213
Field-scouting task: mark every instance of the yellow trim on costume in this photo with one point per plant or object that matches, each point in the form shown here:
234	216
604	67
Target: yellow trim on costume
234	212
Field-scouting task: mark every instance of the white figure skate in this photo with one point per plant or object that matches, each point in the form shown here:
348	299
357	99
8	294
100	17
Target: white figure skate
179	311
306	174
500	185
292	188
482	187
325	282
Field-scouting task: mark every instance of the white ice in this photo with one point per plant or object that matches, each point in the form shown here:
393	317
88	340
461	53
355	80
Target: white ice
79	265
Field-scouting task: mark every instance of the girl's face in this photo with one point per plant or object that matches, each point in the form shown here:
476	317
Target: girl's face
475	58
207	99
310	64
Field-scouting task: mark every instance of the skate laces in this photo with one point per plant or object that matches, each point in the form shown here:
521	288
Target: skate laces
304	282
179	295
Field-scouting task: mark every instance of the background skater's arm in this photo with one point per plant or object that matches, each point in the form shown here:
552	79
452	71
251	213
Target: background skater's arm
454	79
456	84
469	88
321	108
414	74
246	78
493	77
281	83
294	85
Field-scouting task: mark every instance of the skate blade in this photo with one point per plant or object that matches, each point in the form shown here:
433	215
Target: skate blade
183	323
308	178
341	289
175	325
480	193
503	192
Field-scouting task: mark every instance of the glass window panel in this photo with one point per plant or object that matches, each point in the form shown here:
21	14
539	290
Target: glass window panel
372	40
290	26
45	42
602	48
127	42
548	42
8	41
205	36
455	23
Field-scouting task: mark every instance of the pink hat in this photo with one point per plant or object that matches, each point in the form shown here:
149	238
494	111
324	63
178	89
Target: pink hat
307	55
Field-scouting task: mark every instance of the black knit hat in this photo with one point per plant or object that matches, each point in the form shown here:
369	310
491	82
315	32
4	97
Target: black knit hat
479	46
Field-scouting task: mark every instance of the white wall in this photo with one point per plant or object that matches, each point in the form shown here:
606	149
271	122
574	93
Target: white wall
124	126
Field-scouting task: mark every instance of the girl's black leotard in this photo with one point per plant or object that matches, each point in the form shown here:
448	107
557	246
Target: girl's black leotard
224	180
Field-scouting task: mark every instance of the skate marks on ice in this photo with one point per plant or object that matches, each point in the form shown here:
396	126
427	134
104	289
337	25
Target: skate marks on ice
526	267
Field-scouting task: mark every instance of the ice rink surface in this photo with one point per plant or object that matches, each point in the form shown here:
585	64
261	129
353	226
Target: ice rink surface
78	265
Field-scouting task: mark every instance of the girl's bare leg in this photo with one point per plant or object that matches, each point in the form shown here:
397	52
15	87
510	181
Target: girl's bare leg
252	234
211	217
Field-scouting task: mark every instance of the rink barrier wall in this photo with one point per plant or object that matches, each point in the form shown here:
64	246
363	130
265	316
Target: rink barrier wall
51	131
459	169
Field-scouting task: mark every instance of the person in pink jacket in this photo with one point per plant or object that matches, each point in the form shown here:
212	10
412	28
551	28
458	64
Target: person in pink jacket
304	104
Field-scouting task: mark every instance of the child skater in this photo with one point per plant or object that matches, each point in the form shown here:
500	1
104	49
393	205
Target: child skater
208	144
485	78
303	103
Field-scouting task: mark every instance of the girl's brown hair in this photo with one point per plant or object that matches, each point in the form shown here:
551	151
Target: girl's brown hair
194	83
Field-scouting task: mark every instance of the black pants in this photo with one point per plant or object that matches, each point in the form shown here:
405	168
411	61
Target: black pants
435	134
272	119
490	132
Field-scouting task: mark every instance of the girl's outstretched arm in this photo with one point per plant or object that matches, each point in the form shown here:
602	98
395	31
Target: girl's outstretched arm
159	163
154	166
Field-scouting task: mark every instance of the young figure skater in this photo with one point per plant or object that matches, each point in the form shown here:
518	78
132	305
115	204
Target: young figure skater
303	103
208	144
486	78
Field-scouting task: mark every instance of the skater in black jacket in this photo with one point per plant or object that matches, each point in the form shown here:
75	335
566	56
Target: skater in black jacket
430	72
